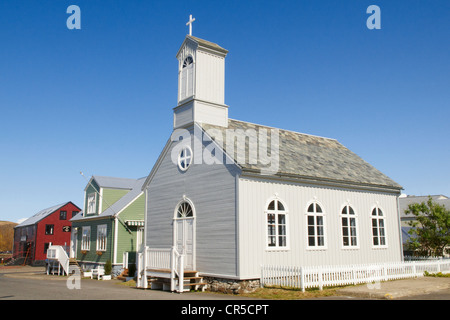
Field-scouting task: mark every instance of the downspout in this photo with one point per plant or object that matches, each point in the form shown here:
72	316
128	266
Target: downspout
14	243
400	228
144	242
115	240
33	249
237	218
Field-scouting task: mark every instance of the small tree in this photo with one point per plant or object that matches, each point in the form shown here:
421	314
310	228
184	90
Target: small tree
108	267
430	232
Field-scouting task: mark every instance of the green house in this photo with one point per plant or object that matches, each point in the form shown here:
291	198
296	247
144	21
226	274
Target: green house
111	226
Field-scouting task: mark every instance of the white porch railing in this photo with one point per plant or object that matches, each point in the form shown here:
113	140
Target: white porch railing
58	254
325	276
160	259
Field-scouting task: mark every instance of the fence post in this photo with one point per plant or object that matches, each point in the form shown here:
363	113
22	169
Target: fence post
181	274
261	281
302	279
354	275
172	269
320	279
144	266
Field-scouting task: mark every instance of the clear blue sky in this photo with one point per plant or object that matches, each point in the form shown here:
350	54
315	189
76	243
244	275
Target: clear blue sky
100	99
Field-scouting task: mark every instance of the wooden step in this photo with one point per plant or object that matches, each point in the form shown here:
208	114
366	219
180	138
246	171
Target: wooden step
123	275
161	279
193	278
194	284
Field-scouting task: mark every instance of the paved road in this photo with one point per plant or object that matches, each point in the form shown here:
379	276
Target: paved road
421	288
27	283
23	285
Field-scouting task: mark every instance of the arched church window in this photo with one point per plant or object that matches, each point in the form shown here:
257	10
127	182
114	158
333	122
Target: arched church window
184	210
378	228
349	226
315	221
188	61
276	225
187	78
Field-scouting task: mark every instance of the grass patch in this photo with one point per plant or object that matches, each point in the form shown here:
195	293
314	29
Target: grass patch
274	292
288	293
437	275
130	283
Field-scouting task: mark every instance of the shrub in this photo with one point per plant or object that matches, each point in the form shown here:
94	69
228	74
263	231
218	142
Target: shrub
108	267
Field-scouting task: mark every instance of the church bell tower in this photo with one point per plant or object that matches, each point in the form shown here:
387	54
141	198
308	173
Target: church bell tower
201	83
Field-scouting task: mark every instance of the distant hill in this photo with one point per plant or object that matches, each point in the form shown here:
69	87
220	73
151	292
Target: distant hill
7	222
6	235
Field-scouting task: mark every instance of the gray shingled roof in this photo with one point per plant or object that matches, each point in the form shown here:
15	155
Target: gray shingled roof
405	235
116	207
114	183
310	157
41	215
208	44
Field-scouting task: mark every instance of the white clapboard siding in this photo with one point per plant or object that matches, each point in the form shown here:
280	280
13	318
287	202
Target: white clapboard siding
211	188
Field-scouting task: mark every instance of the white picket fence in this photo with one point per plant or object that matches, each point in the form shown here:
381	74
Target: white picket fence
327	276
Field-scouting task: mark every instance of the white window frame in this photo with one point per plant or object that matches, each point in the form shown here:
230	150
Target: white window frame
91	203
102	237
86	238
277	213
349	216
316	215
185	150
187	79
377	218
139	238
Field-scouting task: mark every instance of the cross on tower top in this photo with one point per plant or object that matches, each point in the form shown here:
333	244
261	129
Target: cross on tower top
189	23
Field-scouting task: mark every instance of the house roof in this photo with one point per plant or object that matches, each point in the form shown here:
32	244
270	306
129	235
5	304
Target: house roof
405	235
41	215
119	205
404	202
113	182
308	157
208	44
204	44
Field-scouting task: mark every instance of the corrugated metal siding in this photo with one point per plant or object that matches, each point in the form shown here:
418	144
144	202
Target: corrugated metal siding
212	114
253	197
210	77
211	188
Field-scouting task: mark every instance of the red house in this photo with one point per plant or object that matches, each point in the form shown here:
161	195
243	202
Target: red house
52	225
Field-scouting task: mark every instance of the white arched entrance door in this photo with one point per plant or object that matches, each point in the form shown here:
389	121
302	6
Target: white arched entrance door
184	232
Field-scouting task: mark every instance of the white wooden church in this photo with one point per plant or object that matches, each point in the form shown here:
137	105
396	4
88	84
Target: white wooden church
215	209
